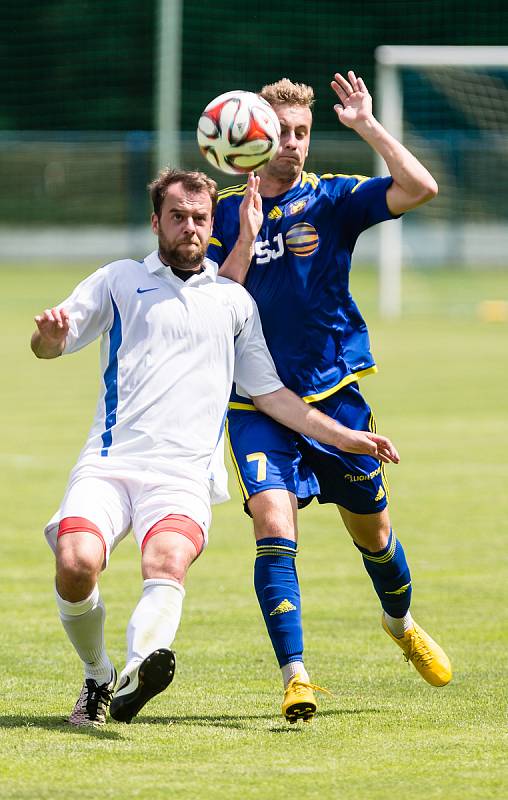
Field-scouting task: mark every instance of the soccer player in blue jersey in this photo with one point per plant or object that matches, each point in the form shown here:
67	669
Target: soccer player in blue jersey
299	277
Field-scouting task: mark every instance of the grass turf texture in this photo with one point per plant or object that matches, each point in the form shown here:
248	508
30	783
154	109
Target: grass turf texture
441	395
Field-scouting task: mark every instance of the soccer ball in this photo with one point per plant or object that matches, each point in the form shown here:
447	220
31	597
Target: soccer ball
238	132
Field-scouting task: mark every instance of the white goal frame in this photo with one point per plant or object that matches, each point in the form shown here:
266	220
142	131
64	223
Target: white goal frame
389	99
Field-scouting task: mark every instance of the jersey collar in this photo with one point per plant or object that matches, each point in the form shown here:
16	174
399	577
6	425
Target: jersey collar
285	197
155	267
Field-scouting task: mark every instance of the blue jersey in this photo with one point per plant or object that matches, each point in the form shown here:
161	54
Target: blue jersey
299	277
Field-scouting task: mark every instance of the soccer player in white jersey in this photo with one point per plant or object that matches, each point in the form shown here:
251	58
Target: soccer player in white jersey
174	335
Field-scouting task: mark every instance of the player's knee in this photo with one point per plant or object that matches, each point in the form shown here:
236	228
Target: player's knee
170	547
370	531
372	538
79	559
274	515
168	556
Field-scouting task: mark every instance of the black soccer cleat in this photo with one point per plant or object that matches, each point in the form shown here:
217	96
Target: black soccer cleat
149	678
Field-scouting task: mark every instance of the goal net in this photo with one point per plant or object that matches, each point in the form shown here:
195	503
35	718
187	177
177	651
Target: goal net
449	106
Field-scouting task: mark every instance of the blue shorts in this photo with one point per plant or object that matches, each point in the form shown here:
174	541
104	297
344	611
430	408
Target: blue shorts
266	455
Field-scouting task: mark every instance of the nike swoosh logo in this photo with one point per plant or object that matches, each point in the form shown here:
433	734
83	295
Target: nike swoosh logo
142	291
125	683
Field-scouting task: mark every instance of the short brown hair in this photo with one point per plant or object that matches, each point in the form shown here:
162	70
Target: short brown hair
285	91
192	181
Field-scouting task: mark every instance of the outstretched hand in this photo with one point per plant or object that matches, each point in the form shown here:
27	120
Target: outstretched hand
49	339
369	444
385	450
251	210
355	102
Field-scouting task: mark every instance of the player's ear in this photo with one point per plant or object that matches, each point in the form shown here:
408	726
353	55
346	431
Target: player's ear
155	222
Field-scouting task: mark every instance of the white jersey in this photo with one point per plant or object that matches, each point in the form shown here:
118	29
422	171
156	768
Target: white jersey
170	351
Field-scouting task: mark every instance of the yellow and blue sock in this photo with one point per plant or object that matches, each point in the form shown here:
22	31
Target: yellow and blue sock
278	593
390	575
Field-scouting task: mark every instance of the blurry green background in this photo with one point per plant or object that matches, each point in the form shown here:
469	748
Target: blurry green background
91	66
79	98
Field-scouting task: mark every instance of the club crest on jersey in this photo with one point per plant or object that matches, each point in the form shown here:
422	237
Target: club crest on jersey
302	239
295	208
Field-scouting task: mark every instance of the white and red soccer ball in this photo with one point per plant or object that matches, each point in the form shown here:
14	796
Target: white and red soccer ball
238	132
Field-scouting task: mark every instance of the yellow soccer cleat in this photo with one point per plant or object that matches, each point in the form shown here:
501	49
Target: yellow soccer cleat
425	654
299	701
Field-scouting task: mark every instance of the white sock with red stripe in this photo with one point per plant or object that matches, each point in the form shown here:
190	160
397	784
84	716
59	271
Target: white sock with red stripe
83	623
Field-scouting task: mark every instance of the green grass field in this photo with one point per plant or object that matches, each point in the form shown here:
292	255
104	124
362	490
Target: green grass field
442	395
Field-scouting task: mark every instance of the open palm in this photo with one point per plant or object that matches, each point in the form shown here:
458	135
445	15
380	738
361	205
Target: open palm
355	102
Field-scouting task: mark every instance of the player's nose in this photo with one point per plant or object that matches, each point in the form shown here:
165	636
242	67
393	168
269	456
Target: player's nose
290	140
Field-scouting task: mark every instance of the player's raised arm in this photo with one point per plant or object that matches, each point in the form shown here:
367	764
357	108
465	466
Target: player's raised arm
238	261
412	182
288	409
48	340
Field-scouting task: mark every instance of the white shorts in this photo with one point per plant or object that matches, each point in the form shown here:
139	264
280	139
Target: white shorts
118	499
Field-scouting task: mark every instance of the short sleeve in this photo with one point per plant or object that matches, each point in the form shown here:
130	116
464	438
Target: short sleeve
254	372
364	204
90	311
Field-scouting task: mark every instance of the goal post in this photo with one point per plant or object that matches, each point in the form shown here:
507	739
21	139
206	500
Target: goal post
168	82
426	62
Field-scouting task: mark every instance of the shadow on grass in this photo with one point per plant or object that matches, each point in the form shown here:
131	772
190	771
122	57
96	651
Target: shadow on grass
225	721
59	725
239	720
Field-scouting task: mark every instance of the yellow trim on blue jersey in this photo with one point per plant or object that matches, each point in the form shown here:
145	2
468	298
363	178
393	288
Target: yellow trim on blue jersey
328	175
309	177
238	190
241	484
360	181
311	398
213	240
360	178
231	188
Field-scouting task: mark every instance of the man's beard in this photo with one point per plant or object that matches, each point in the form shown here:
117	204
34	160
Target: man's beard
175	258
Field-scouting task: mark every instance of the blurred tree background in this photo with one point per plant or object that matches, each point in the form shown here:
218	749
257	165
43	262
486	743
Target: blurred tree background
79	96
84	65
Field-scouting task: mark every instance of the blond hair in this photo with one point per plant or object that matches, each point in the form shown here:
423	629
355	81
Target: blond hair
285	91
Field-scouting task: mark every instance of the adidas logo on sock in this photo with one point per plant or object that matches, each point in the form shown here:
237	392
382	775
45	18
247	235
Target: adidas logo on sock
283	608
401	589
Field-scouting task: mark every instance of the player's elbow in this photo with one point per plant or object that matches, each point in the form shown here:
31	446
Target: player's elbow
429	190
